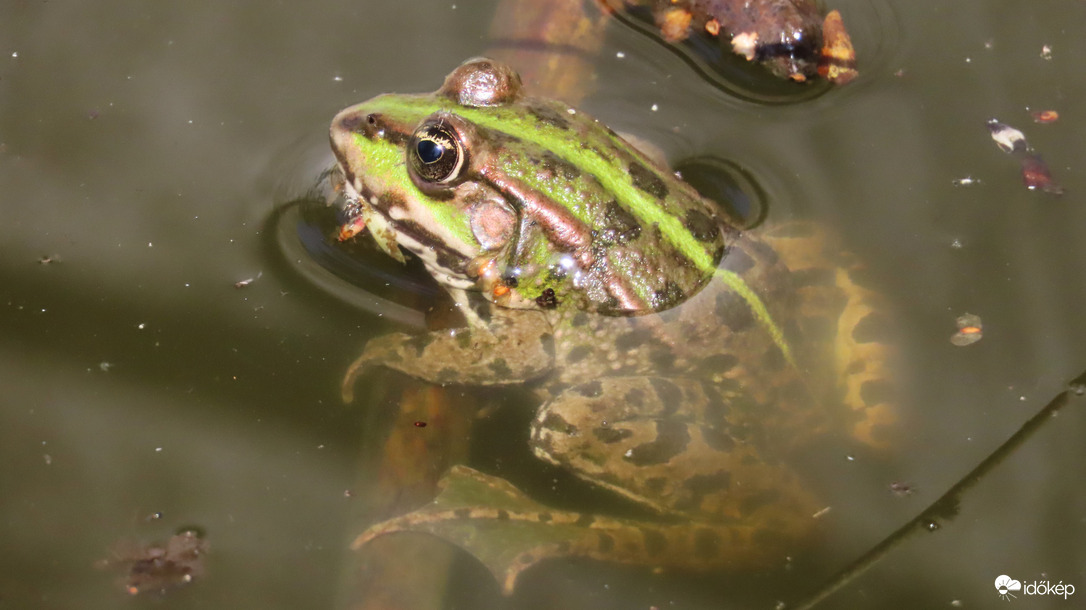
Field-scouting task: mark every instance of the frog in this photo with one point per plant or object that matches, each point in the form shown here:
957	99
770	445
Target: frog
675	358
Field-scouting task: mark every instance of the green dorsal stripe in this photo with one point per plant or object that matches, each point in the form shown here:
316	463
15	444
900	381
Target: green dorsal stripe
611	174
741	288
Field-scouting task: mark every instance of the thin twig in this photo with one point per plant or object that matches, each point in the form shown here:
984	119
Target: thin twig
947	506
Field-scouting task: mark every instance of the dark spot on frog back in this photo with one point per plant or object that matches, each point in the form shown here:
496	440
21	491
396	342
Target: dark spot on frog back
718	436
591	389
638	337
701	226
549	116
671	440
761	250
703	484
717	364
578	354
558	168
871	328
734	311
738	260
669	394
608	435
618	225
604	155
646	180
557	423
546	342
667	297
500	369
663	359
419	343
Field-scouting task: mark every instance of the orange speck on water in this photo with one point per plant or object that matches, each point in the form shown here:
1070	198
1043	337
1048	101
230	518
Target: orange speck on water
1045	116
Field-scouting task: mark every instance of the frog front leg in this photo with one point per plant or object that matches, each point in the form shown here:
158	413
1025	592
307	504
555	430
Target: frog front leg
512	347
681	447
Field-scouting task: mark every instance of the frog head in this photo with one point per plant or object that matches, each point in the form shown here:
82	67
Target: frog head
529	201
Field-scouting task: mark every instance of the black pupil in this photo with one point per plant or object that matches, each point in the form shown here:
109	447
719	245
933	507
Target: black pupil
437	157
430	151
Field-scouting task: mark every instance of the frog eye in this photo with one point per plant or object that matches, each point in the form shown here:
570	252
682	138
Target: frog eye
435	152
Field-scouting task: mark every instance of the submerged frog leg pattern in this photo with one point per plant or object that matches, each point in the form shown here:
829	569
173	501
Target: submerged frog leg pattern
509	532
516	346
836	309
680	446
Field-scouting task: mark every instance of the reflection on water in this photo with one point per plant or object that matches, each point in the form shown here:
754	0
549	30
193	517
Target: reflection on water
137	149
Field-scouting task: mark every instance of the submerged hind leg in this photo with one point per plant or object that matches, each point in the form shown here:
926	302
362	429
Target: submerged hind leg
845	328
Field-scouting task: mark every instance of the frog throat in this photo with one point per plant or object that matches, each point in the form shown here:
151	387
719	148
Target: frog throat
386	158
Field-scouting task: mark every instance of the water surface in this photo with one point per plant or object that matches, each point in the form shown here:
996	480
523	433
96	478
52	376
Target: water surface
144	146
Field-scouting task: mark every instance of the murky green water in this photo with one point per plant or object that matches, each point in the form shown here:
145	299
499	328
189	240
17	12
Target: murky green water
146	145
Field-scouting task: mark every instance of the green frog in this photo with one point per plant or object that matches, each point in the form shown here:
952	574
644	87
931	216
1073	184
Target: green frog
676	359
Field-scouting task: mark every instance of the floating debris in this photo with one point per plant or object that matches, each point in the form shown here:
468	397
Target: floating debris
970	330
1045	116
247	281
791	39
1046	52
965	181
837	62
1037	177
159	568
1007	138
1035	173
901	488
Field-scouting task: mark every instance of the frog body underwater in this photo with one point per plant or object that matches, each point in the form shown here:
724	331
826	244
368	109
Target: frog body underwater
671	353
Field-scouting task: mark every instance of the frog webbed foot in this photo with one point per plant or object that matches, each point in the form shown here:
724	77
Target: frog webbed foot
505	352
